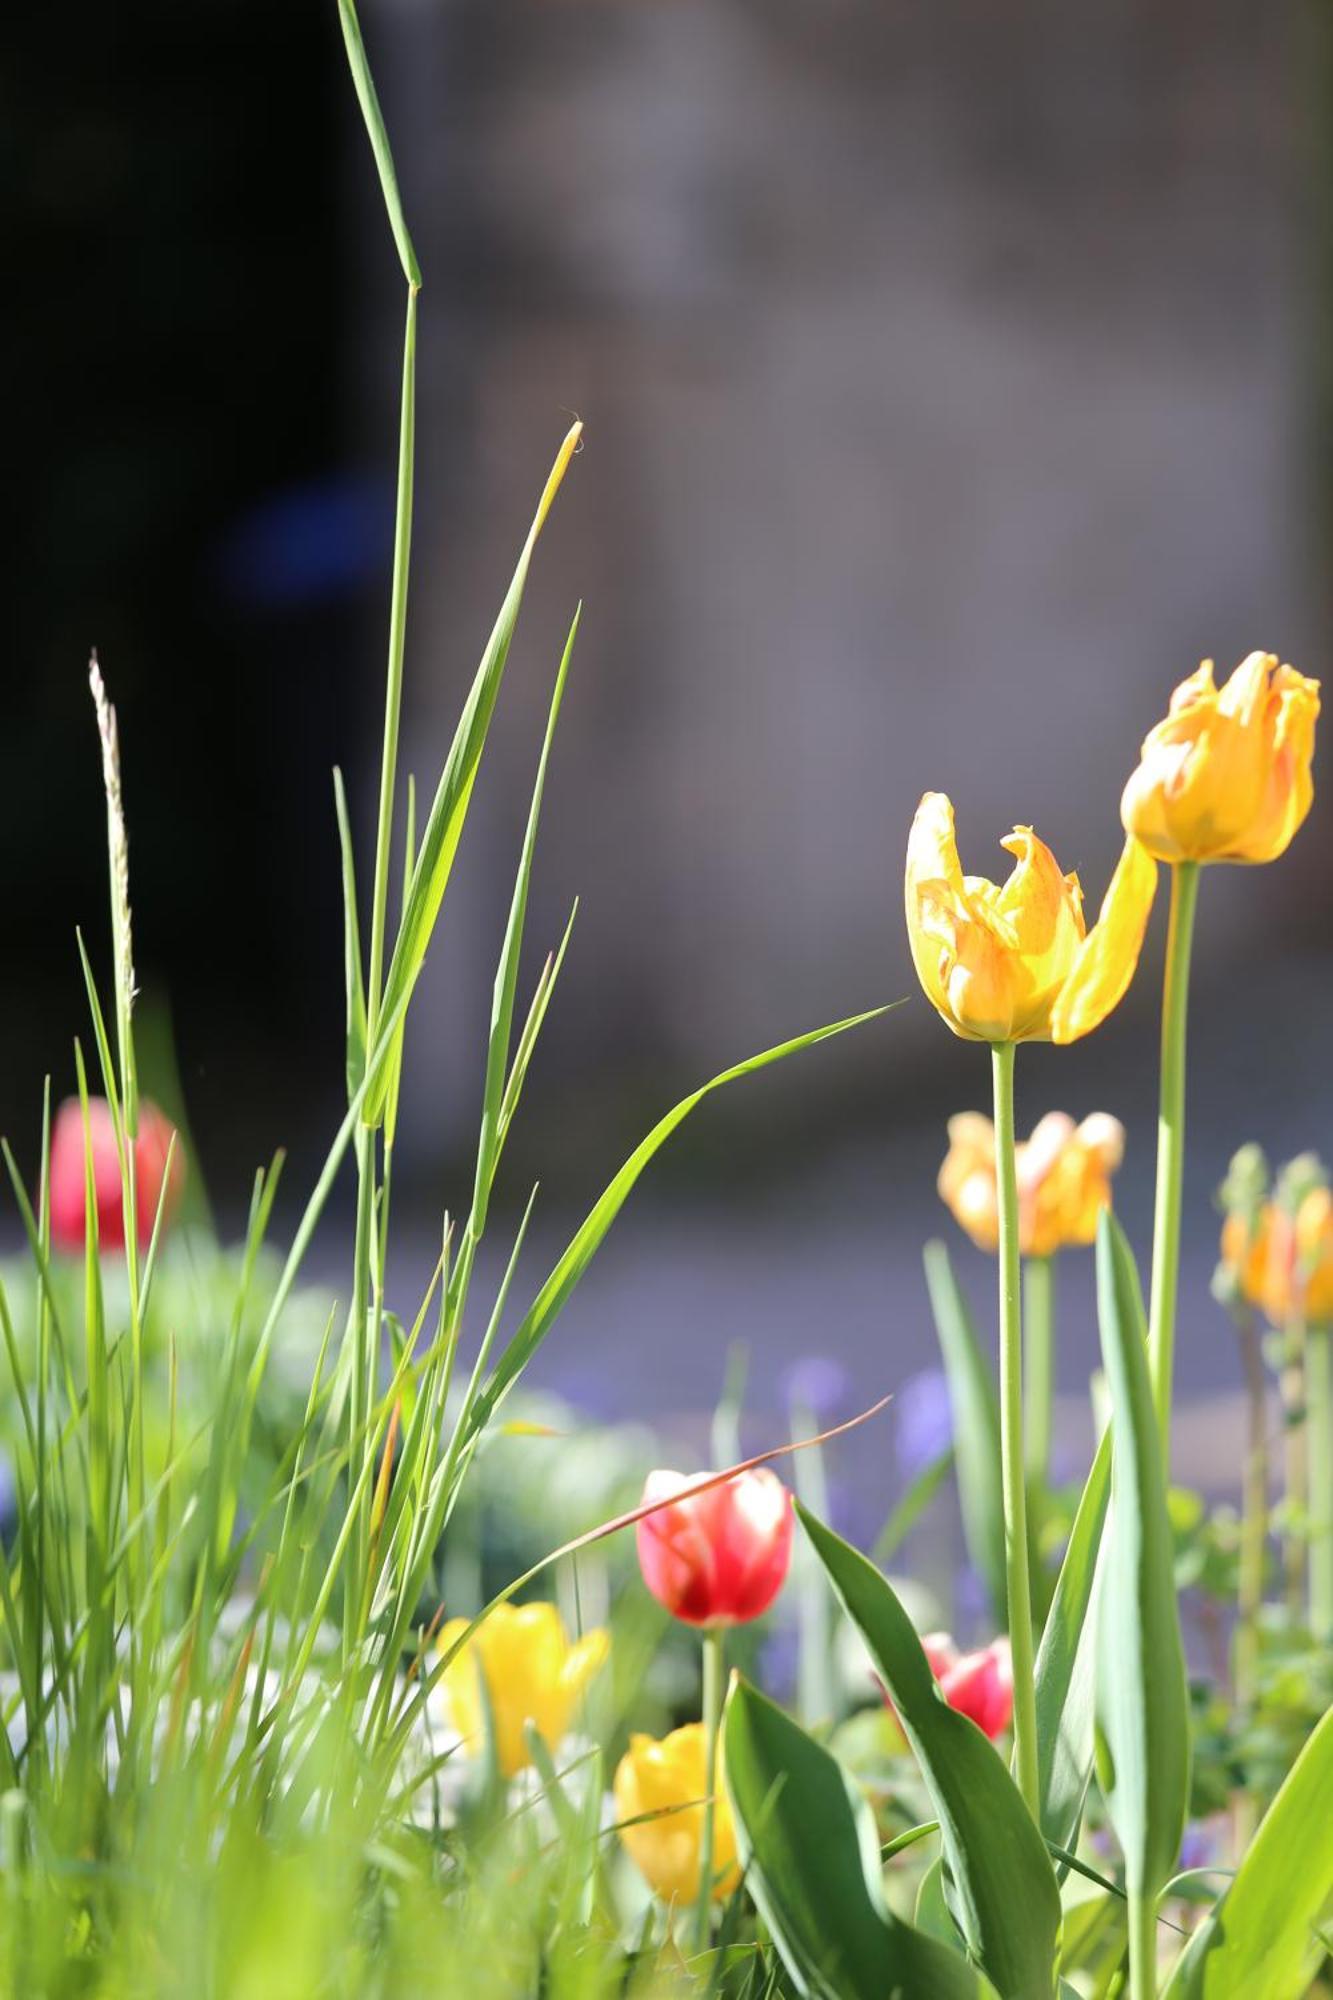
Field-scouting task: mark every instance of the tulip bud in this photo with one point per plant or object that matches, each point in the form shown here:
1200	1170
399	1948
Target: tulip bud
1225	776
979	1685
717	1556
669	1780
68	1184
1243	1199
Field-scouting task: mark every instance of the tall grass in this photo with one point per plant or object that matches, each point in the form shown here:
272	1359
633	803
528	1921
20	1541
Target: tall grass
221	1770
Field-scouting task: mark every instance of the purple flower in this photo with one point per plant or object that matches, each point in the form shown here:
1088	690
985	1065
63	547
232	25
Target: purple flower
816	1383
922	1421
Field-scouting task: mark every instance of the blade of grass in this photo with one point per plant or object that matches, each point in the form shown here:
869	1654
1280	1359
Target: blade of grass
545	1309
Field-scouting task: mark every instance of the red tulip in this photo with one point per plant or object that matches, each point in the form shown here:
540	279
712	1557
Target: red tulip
979	1685
68	1185
717	1557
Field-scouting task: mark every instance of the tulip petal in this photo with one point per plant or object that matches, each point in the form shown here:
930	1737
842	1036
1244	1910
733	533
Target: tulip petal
1289	793
934	893
1107	959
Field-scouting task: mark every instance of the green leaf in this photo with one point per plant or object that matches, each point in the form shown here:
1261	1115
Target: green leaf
444	827
379	139
976	1425
1143	1724
806	1838
353	984
1260	1942
1004	1892
908	1510
1066	1673
542	1314
506	977
932	1905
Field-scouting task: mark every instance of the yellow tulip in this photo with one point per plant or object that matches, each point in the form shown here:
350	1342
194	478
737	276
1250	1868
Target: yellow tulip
519	1660
1226	775
655	1777
1015	963
1064	1179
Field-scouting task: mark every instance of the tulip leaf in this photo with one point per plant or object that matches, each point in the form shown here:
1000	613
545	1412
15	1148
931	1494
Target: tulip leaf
1066	1666
1143	1724
1259	1943
932	1913
976	1425
1004	1894
806	1838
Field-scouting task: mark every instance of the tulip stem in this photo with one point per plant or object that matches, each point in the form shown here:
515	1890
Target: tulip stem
1013	1471
1319	1430
1142	1947
714	1683
1296	1461
1254	1512
1171	1144
1038	1367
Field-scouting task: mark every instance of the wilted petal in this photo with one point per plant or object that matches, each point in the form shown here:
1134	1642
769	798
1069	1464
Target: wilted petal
1109	955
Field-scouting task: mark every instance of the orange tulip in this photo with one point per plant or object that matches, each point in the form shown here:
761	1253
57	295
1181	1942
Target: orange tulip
1284	1263
1064	1179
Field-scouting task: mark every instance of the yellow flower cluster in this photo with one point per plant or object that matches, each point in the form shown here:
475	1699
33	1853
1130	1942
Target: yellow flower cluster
1064	1179
1225	776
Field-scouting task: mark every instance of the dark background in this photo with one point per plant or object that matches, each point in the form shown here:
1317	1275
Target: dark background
954	379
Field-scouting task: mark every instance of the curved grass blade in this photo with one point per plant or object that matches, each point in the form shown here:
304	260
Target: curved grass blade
1004	1891
444	826
506	976
542	1314
379	138
807	1840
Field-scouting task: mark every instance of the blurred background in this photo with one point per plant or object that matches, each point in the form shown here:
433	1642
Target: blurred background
954	380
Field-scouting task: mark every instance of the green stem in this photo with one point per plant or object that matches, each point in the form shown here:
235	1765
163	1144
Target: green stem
1319	1430
1254	1514
1295	1462
1171	1144
1017	1582
712	1716
1038	1366
367	1275
393	689
1142	1947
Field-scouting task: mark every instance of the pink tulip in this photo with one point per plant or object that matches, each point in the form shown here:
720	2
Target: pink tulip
68	1186
717	1557
979	1685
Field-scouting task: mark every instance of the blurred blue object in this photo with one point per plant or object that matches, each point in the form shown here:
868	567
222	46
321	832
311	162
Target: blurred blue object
922	1421
309	545
816	1384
